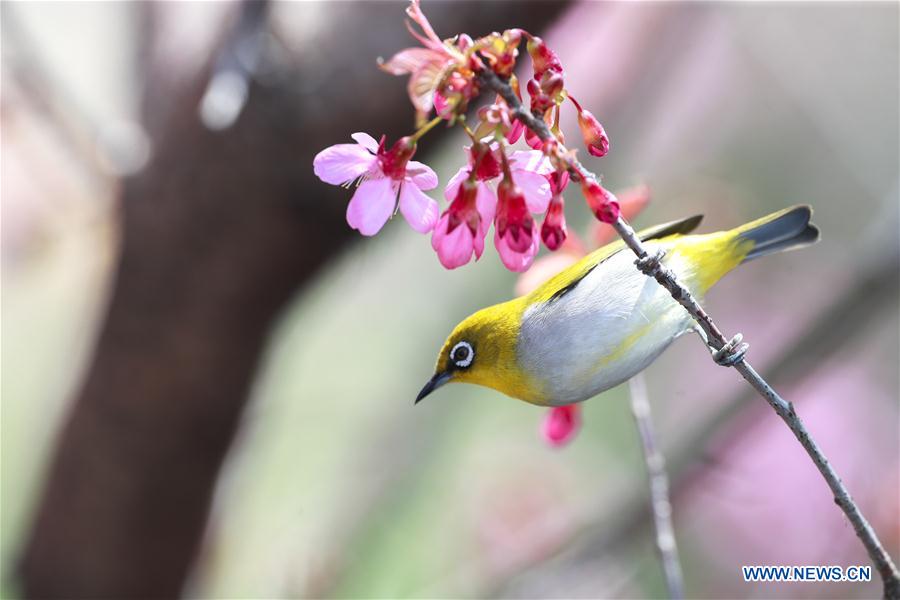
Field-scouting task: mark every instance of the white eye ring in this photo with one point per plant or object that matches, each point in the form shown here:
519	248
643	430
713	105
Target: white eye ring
470	355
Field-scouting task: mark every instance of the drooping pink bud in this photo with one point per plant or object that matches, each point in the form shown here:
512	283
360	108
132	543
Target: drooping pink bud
553	229
601	201
543	59
631	202
593	133
552	84
561	424
540	102
513	221
558	181
393	162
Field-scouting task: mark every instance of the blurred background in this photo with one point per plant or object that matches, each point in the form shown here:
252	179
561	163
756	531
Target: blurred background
208	378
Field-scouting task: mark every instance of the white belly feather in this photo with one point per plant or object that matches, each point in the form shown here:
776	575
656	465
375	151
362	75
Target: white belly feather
611	326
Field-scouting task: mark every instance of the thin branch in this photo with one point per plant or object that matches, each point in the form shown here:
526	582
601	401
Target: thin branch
659	488
726	352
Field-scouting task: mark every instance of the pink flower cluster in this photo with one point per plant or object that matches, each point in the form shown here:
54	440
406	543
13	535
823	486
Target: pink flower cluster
498	185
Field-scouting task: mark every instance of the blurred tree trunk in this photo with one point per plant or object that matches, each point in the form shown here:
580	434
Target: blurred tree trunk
218	232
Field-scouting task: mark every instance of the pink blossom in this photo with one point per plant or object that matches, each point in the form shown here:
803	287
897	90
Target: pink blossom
426	66
561	424
515	232
529	170
461	228
386	175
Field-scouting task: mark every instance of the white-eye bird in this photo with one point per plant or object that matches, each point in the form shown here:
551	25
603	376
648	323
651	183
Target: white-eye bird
601	321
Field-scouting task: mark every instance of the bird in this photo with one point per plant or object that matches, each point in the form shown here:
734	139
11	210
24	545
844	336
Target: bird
599	322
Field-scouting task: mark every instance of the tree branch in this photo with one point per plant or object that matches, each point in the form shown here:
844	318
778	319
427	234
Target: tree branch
661	507
726	352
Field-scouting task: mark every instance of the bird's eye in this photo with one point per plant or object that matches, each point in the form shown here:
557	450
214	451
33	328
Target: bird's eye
462	354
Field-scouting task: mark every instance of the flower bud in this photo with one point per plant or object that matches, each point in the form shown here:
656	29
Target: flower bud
543	59
552	83
558	181
540	102
593	133
553	229
601	201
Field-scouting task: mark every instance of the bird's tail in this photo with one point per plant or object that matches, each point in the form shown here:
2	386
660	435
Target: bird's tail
784	230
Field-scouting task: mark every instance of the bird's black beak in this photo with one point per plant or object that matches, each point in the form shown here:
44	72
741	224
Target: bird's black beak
434	383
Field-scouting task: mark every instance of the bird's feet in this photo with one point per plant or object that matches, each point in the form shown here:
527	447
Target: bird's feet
729	354
649	263
732	352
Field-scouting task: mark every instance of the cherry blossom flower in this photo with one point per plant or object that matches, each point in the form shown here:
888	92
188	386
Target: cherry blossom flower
529	169
461	228
515	231
386	175
429	65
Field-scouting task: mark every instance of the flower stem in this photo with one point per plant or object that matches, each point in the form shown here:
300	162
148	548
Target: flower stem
717	341
425	128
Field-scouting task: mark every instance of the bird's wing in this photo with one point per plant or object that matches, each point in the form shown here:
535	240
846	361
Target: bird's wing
566	280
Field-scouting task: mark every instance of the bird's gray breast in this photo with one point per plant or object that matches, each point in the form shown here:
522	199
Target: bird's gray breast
600	332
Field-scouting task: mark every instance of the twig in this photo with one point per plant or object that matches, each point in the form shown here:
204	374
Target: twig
659	488
726	352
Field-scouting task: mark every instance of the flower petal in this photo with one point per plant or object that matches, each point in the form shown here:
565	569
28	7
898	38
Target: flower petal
453	185
423	84
517	261
342	163
366	141
561	424
531	160
422	175
453	249
486	204
420	211
536	189
372	205
411	60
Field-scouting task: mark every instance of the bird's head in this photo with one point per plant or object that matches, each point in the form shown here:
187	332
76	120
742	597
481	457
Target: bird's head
482	350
